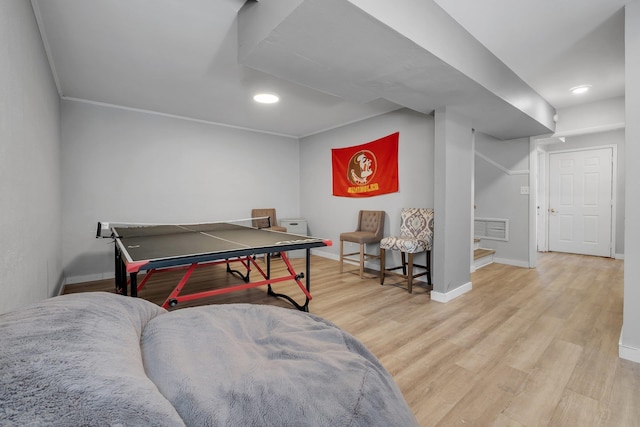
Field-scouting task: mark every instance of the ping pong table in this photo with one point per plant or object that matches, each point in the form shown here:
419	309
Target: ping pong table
158	248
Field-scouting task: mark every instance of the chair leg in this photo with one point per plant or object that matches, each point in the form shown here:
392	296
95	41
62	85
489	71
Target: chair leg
341	254
429	268
404	263
361	260
410	273
382	264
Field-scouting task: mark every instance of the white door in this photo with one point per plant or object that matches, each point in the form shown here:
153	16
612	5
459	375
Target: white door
580	201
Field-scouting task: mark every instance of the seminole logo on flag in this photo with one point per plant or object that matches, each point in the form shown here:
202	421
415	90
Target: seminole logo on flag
366	170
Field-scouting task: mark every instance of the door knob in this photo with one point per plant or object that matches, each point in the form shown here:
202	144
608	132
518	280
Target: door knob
552	210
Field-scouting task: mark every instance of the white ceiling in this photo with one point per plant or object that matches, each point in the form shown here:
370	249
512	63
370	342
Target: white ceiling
180	58
553	45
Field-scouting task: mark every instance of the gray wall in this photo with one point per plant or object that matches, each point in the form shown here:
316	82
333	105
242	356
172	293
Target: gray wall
30	195
127	166
499	173
328	216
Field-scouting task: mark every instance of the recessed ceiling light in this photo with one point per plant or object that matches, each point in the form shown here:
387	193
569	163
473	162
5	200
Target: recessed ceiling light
266	98
580	89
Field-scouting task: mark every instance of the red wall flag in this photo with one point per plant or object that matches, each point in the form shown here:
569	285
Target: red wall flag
366	170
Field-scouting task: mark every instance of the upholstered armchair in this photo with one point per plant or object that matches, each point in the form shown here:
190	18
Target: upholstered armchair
416	236
266	219
369	230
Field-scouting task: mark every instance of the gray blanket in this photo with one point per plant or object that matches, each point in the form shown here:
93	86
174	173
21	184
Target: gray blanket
103	359
75	361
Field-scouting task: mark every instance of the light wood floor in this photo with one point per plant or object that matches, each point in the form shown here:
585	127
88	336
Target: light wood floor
526	347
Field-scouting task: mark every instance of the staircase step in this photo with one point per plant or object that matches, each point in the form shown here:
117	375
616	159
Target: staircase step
476	243
481	253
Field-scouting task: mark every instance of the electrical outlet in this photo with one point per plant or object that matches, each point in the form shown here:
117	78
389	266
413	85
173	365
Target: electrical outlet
524	190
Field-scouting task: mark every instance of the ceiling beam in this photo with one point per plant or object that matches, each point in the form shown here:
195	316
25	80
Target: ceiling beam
411	53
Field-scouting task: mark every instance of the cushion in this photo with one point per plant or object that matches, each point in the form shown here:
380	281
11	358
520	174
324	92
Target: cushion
416	232
75	360
360	237
247	365
403	244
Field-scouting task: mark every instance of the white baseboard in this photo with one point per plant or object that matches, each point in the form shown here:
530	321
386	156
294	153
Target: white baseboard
89	278
482	262
62	282
619	256
514	262
325	254
449	296
628	353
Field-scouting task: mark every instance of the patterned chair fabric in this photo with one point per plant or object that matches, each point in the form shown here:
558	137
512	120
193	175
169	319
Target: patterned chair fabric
416	235
416	232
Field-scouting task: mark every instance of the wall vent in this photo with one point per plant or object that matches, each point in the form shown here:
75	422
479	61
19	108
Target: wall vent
491	228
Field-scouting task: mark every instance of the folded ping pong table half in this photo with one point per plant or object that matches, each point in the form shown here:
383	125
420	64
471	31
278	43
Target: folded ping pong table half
168	247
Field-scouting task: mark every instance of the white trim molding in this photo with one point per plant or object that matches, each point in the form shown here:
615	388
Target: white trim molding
449	296
171	116
628	353
513	262
499	166
593	129
46	45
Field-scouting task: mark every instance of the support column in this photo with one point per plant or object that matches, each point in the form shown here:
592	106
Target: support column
453	205
630	336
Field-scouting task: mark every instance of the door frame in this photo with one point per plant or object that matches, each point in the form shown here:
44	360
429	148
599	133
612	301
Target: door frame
614	187
541	211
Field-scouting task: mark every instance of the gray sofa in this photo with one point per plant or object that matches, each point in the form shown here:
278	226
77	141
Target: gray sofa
107	360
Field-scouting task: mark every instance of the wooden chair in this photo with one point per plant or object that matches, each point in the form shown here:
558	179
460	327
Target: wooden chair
416	236
370	229
266	219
